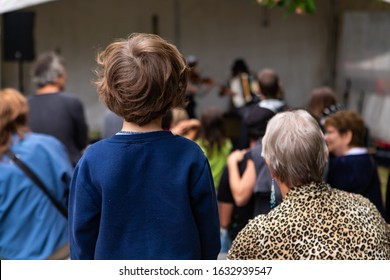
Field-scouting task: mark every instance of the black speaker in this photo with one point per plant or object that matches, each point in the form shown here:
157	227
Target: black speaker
18	40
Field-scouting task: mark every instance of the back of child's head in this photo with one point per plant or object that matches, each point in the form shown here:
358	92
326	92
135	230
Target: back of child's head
141	78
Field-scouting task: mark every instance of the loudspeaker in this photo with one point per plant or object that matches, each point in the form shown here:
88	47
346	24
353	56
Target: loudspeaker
18	40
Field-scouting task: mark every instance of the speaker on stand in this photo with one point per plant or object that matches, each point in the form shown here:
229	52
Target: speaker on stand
18	40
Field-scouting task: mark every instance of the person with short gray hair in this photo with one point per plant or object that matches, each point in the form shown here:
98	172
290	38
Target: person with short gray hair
52	110
293	137
314	221
48	68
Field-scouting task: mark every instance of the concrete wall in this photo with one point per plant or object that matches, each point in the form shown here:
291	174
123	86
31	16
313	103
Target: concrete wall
299	47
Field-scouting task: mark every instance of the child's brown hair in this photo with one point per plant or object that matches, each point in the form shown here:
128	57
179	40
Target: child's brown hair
141	78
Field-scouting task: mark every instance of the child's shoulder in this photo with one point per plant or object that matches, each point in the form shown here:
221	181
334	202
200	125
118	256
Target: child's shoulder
99	146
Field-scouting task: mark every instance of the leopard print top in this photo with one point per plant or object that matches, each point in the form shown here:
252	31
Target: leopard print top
316	222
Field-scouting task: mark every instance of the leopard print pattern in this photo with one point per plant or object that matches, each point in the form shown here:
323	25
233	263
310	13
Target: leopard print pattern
316	222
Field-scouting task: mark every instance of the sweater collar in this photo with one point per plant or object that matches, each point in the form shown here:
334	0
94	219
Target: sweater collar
272	104
141	136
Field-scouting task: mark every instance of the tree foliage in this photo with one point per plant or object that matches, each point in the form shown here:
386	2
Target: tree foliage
292	6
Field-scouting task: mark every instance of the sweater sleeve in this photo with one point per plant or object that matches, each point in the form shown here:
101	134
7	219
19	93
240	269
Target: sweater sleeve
84	215
205	209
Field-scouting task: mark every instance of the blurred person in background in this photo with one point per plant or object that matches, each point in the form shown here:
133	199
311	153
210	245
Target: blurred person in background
213	141
351	167
322	103
256	177
242	88
31	227
197	85
270	103
181	124
54	112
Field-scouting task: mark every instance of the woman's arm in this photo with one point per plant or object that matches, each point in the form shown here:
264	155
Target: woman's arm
225	214
241	186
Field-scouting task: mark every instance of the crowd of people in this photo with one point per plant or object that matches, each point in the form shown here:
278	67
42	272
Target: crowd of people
164	183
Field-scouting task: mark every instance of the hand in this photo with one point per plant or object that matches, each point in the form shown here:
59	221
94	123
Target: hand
225	91
236	156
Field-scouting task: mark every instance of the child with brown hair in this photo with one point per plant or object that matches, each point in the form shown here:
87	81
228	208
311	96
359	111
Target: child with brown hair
143	193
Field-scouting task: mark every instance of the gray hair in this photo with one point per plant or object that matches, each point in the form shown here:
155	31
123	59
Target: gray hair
47	69
294	148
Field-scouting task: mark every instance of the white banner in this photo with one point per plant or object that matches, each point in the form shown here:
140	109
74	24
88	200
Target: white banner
13	5
262	269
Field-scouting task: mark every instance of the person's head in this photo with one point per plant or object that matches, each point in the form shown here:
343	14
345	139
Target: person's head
256	129
344	130
141	78
178	115
269	83
294	148
192	61
13	116
239	66
49	69
212	128
320	99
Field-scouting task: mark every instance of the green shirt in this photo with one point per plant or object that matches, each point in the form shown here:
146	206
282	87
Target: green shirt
217	159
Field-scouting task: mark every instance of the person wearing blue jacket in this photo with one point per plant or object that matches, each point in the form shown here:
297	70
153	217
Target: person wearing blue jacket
31	227
143	193
351	167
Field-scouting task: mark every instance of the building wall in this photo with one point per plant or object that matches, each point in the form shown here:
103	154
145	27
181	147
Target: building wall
299	47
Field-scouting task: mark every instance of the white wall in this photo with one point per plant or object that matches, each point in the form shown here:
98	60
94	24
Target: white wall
217	31
296	46
365	63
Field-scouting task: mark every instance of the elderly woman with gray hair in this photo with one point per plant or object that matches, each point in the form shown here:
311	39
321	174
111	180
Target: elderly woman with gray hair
314	221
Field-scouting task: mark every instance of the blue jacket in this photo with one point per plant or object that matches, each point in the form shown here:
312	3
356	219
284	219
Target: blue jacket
357	174
30	225
143	196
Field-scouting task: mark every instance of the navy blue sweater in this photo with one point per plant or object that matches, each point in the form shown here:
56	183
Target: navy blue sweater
143	196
